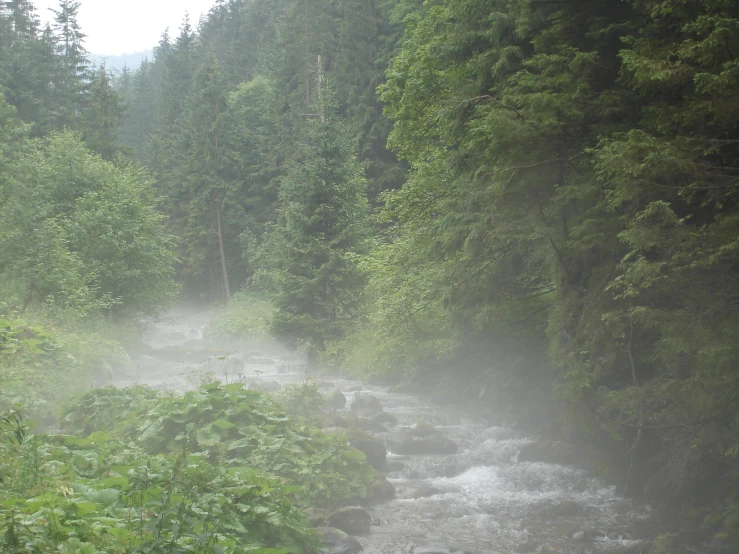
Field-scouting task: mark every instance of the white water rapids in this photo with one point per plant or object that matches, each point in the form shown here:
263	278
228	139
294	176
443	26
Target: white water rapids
480	500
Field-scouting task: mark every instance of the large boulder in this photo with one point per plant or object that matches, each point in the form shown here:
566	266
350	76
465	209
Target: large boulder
336	541
317	518
366	404
380	491
439	550
394	465
353	520
417	489
385	418
265	386
550	452
372	447
406	442
335	400
369	425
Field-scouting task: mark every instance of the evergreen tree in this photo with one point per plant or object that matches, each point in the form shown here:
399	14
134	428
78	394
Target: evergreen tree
27	59
308	264
103	115
72	75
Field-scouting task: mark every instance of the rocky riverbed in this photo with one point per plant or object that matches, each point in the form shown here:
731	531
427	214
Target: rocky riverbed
454	483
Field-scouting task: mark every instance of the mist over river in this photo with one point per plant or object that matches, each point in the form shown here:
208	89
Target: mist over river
480	499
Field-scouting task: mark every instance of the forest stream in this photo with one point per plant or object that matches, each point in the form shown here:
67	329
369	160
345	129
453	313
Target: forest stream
480	500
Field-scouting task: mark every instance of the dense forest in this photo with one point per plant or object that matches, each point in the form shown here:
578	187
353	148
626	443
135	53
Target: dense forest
529	205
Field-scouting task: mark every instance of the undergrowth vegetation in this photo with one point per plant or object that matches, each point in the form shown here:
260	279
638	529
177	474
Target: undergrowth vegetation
41	366
219	469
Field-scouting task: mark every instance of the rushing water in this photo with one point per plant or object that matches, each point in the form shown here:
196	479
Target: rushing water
479	500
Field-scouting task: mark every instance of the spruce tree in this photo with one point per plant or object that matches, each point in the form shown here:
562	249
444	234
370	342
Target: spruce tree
309	265
72	75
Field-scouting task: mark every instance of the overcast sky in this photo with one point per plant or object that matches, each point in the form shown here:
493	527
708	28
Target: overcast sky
115	27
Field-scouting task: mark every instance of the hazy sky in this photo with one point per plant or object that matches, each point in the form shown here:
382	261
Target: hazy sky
116	27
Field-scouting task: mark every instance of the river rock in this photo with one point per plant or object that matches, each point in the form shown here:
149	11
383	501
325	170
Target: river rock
380	491
405	442
438	550
335	400
372	447
366	404
369	425
353	520
317	518
394	465
336	420
336	541
265	386
417	489
550	452
385	418
565	508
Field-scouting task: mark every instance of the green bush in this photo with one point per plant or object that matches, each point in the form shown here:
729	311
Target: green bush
247	316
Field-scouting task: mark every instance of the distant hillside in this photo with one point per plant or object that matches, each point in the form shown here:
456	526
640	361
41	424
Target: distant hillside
116	63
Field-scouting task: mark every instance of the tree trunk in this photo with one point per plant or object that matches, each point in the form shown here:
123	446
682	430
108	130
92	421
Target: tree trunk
223	255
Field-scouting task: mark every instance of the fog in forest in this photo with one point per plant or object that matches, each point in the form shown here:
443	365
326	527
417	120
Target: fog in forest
389	276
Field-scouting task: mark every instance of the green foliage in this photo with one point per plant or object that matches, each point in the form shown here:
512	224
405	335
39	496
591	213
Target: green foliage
41	366
308	264
97	494
82	234
220	469
246	316
237	426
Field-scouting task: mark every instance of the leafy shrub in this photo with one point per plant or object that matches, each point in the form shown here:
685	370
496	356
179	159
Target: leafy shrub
103	495
40	367
246	316
237	426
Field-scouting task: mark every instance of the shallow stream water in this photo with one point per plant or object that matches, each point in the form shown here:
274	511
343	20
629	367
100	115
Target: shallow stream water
480	500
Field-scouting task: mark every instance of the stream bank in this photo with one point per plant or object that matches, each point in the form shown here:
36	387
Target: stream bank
480	496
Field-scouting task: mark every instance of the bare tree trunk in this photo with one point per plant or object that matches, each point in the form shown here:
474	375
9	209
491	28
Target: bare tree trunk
223	255
307	59
321	105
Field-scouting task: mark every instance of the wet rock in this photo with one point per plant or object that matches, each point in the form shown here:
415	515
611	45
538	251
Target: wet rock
588	535
372	447
394	465
385	418
265	386
405	442
334	431
550	452
355	388
417	489
317	518
369	425
380	491
438	550
335	400
366	404
565	508
336	420
353	520
336	541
